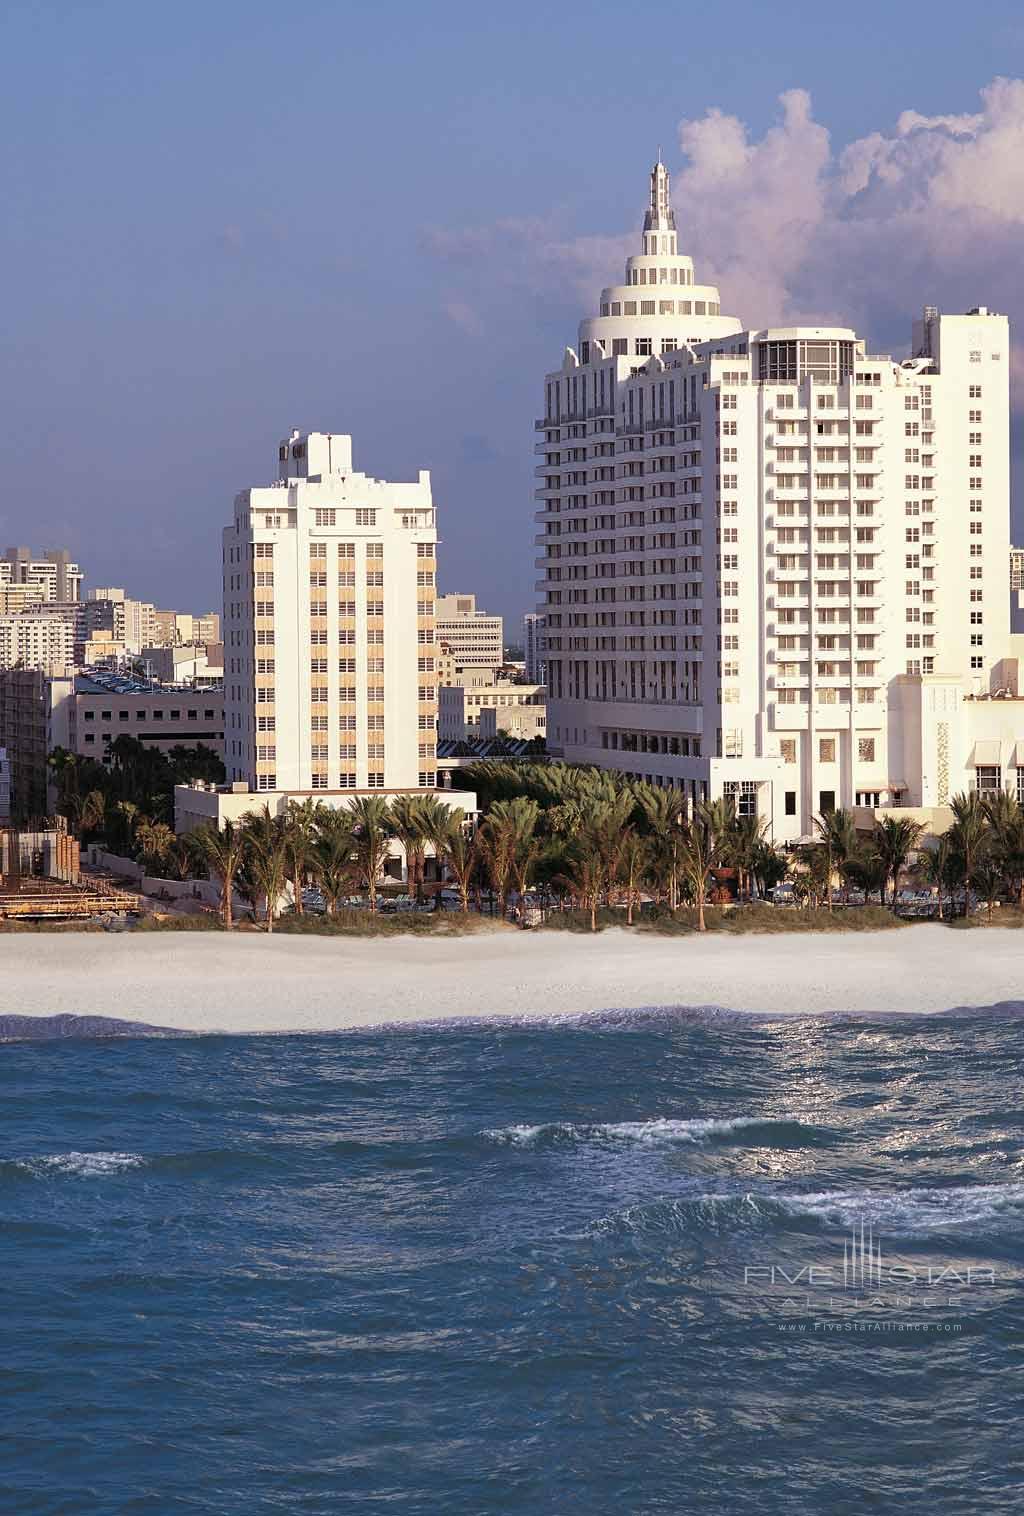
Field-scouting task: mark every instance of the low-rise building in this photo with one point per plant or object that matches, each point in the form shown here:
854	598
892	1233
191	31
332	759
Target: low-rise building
461	708
198	664
87	712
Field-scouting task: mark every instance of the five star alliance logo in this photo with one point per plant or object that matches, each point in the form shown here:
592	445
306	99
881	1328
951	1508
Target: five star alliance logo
862	1259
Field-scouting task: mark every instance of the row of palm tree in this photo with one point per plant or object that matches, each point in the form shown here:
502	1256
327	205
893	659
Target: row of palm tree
342	851
602	836
983	851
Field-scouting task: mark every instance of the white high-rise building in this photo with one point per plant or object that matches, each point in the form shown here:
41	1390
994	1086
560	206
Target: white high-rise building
773	564
329	648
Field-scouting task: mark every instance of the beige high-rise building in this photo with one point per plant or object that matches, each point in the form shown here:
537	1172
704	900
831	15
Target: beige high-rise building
476	640
329	651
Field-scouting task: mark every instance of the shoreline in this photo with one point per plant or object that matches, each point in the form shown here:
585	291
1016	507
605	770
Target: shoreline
149	985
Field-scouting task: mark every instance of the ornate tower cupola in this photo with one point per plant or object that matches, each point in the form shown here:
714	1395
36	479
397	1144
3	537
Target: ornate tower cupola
660	220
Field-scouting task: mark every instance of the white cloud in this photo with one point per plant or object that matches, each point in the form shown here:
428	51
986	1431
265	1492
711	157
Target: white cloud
929	211
791	230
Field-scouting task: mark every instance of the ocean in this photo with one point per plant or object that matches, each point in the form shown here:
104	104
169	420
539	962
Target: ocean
655	1262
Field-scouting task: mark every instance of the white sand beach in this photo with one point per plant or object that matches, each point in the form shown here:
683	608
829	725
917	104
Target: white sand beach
247	983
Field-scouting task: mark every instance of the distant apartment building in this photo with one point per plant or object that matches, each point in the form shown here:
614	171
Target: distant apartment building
329	643
53	572
37	639
87	712
535	648
18	597
484	706
180	628
111	610
774	562
474	639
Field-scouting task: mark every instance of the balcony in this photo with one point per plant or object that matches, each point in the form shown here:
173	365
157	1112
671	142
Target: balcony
789	602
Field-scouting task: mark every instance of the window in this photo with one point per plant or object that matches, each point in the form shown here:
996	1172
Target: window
826	750
790	806
988	779
787	750
826	802
866	749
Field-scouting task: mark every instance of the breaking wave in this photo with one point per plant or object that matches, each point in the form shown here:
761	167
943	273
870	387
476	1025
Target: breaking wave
657	1132
78	1165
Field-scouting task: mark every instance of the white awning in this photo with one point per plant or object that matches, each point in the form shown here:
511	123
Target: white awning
986	754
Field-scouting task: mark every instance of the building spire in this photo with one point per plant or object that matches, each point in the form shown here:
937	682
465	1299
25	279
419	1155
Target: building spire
660	217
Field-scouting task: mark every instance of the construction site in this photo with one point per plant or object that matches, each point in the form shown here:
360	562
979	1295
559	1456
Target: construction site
41	879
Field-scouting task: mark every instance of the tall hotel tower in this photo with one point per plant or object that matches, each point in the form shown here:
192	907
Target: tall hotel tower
773	565
329	653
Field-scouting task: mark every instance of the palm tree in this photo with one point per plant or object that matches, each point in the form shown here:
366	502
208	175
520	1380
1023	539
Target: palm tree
266	845
866	869
697	857
122	832
585	874
459	854
987	879
664	812
969	836
222	851
767	866
299	831
508	846
632	868
839	841
92	812
372	832
936	864
155	839
895	838
411	823
331	855
1005	816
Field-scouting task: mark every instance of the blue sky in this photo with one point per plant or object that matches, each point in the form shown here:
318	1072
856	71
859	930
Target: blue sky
222	221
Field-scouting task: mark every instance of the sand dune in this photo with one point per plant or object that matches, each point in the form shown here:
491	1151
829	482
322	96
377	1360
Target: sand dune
287	984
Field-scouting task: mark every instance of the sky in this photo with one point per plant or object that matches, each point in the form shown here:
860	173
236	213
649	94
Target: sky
224	220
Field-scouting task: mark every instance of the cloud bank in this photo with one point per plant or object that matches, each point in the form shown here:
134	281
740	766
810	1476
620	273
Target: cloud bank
929	212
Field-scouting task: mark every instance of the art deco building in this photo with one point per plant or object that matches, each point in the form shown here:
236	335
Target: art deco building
329	647
772	563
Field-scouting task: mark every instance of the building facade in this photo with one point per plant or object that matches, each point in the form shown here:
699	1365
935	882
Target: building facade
535	648
35	638
482	707
329	645
86	713
24	733
772	563
54	572
473	638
